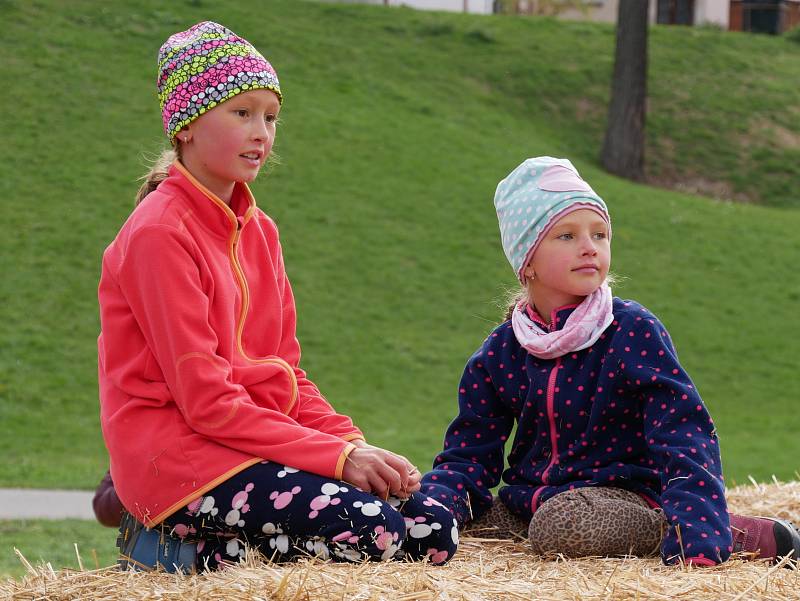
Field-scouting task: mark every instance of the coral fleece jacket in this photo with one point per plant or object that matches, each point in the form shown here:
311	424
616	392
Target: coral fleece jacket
198	357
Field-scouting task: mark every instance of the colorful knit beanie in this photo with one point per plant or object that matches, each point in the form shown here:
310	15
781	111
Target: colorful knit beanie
532	198
204	66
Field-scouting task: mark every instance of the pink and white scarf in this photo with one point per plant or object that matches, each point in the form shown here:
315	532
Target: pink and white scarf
581	330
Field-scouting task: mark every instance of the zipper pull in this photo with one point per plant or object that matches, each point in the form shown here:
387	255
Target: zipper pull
238	232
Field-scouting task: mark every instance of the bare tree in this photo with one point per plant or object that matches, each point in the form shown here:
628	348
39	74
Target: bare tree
623	148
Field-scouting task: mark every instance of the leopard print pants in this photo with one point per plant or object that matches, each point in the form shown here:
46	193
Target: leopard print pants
596	521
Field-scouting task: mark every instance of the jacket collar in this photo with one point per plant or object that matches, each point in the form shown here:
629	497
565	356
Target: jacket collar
558	317
209	208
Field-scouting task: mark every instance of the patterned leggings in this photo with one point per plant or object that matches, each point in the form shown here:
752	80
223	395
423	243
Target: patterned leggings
590	521
285	513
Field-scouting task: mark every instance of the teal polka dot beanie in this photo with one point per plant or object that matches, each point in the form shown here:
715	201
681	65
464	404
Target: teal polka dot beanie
532	198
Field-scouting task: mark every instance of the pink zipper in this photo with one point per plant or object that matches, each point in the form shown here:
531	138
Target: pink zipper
551	386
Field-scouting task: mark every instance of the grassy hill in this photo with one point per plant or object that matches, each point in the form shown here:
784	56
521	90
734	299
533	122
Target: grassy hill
396	128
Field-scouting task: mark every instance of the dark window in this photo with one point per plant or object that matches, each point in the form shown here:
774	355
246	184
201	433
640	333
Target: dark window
675	12
761	16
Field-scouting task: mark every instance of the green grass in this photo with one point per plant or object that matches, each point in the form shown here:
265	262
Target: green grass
396	128
53	542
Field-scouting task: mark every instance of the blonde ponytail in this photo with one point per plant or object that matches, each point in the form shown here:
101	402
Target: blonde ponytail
514	298
157	174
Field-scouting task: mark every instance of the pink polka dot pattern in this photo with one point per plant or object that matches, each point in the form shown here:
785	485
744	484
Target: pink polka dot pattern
203	66
621	413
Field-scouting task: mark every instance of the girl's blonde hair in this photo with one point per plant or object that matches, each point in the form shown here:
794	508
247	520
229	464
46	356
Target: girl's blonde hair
521	294
158	172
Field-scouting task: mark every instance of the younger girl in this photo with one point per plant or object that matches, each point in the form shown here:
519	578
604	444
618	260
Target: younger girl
614	451
217	438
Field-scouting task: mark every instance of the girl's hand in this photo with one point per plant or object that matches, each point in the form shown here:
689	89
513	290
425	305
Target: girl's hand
413	484
380	472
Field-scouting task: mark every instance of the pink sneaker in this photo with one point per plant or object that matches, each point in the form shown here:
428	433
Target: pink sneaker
766	538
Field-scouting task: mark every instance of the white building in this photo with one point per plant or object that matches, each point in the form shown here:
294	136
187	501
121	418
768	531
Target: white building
676	12
481	7
696	12
767	16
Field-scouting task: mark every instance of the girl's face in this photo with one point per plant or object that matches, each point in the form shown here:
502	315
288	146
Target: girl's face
571	261
231	142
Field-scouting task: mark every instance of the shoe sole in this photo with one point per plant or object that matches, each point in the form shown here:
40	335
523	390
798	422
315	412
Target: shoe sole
787	541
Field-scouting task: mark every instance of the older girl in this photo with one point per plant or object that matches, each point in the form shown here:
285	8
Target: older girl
216	436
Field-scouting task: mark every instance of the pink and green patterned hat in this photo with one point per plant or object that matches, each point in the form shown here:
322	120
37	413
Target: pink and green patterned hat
532	198
204	66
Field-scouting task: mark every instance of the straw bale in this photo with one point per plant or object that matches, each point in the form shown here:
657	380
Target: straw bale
484	569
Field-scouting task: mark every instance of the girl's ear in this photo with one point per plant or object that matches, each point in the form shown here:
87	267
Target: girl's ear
184	135
529	272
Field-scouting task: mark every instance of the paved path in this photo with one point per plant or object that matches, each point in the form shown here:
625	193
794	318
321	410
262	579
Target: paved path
28	503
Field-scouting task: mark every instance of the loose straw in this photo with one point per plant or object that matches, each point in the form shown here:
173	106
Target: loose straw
484	569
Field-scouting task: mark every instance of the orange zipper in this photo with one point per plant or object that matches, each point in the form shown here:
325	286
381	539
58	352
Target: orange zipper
239	272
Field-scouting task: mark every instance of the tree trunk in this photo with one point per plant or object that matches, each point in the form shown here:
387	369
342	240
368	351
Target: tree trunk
623	148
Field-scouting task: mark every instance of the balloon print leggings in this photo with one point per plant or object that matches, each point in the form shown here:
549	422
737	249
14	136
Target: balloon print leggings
285	513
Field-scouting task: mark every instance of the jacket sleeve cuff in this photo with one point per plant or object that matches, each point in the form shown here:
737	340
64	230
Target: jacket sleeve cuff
457	503
690	561
353	436
700	561
349	448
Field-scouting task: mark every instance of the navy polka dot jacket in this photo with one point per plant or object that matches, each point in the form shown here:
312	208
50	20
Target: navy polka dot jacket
621	413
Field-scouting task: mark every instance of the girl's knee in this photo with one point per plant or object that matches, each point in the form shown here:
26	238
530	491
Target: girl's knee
375	530
432	531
